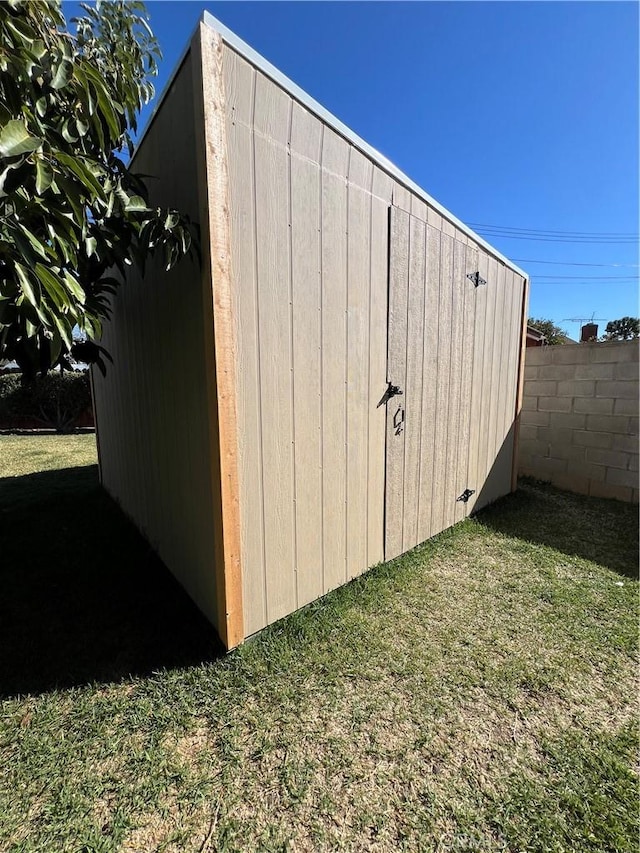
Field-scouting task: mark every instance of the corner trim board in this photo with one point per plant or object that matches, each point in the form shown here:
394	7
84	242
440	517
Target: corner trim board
219	327
520	385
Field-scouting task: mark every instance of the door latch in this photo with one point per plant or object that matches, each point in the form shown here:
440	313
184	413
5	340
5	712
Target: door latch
392	391
398	420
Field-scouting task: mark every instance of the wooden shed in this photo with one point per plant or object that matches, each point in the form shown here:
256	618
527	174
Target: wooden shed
337	382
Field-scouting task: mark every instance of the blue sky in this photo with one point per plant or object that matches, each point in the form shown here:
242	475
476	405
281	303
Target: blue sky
512	114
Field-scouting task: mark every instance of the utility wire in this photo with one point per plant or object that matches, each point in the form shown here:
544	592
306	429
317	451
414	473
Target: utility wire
592	277
584	240
570	263
551	233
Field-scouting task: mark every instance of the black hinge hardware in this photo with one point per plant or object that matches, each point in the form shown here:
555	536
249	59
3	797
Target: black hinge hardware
464	497
476	278
392	391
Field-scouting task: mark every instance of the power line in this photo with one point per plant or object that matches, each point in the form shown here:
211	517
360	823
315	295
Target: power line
584	240
570	263
552	233
590	277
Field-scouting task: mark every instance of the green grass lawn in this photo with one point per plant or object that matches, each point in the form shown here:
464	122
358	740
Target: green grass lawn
477	694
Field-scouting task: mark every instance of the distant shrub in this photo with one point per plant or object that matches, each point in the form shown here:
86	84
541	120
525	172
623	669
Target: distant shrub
55	401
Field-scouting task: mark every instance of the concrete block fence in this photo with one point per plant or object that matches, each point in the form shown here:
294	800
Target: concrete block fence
579	422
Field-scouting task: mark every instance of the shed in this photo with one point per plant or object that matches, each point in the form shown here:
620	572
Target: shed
338	381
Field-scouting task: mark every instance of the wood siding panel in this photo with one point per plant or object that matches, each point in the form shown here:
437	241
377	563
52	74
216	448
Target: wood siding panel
477	263
470	297
494	328
440	518
335	166
499	384
273	245
397	375
152	406
379	287
430	368
306	143
359	277
488	395
504	441
514	285
413	390
456	403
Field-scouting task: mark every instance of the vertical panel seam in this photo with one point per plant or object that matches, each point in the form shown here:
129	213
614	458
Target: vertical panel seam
462	280
439	372
346	375
406	386
471	324
437	363
472	395
367	543
390	232
321	311
451	286
424	312
483	338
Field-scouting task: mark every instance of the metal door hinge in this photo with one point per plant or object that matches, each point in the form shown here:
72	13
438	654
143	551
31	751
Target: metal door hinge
392	391
476	278
464	497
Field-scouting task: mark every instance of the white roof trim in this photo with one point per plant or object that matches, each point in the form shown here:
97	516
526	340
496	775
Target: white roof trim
269	70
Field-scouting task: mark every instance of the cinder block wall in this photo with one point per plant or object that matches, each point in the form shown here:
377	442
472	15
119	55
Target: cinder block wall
579	423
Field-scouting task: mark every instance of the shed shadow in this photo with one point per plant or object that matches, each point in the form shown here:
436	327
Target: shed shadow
598	529
84	597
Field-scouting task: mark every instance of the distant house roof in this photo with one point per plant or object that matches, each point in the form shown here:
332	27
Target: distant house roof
535	338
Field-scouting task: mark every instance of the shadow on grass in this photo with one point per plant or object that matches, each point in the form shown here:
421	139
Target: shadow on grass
84	598
597	529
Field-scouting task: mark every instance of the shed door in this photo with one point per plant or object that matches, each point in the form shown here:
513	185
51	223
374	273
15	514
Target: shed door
431	322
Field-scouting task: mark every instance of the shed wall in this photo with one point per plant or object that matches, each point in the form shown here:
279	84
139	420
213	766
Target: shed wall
152	414
310	254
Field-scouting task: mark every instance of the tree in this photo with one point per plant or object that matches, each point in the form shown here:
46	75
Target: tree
71	211
623	329
553	334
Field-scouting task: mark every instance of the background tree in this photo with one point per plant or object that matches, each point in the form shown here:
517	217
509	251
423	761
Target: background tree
71	211
553	334
623	329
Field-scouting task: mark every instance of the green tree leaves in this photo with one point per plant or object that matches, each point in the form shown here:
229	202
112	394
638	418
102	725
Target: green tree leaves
15	140
624	329
553	334
71	210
